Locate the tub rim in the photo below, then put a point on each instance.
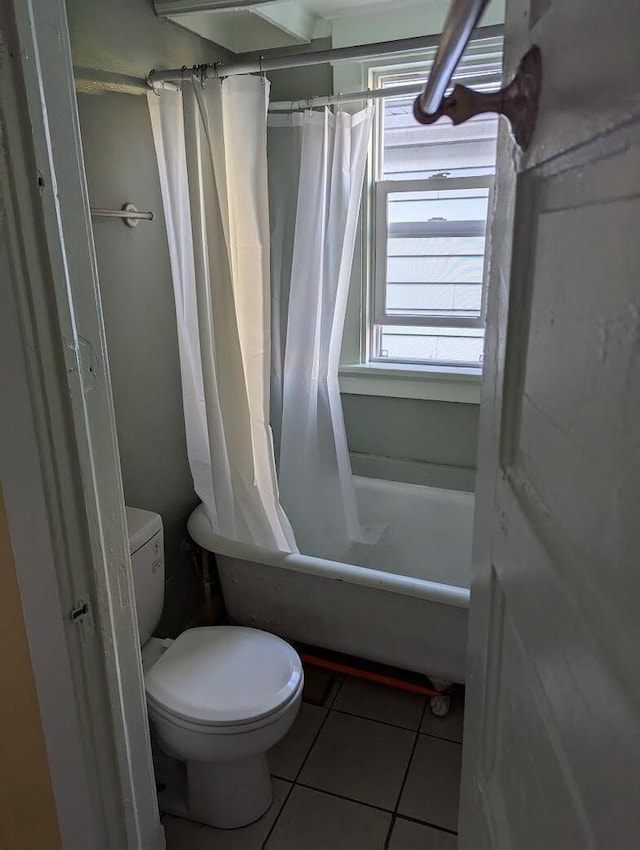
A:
(201, 532)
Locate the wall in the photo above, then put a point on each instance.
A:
(406, 439)
(124, 37)
(400, 439)
(302, 82)
(27, 807)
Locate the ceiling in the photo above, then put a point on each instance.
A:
(331, 9)
(284, 23)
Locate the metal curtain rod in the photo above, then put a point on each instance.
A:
(301, 60)
(369, 94)
(461, 21)
(517, 101)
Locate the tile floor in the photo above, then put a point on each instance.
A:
(371, 769)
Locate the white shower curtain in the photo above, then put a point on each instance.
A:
(211, 149)
(316, 171)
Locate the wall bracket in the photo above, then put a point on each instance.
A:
(517, 101)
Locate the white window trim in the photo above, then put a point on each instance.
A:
(382, 189)
(359, 375)
(405, 380)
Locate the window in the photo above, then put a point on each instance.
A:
(430, 191)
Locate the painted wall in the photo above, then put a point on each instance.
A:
(124, 37)
(400, 439)
(28, 816)
(412, 440)
(302, 82)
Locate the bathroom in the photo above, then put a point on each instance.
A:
(325, 705)
(395, 437)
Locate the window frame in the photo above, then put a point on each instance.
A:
(359, 372)
(378, 282)
(376, 207)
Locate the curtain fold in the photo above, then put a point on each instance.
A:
(211, 149)
(316, 170)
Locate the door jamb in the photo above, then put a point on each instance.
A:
(57, 299)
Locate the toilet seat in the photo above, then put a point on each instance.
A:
(224, 679)
(157, 712)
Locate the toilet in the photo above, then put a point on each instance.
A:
(219, 697)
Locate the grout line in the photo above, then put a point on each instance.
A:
(277, 817)
(441, 738)
(387, 840)
(408, 768)
(293, 783)
(375, 720)
(312, 745)
(427, 823)
(342, 797)
(329, 706)
(394, 815)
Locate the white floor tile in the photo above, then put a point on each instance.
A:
(360, 759)
(187, 835)
(431, 792)
(287, 757)
(379, 702)
(407, 835)
(311, 820)
(449, 727)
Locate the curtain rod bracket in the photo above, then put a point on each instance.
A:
(518, 101)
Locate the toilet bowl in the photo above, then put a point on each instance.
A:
(218, 697)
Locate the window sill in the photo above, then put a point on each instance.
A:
(432, 383)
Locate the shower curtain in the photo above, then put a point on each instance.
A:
(316, 171)
(211, 149)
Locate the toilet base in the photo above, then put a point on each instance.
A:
(228, 794)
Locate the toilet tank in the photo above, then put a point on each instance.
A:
(147, 561)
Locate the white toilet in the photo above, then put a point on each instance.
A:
(218, 697)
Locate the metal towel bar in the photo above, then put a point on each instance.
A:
(129, 214)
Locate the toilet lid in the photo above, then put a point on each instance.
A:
(224, 675)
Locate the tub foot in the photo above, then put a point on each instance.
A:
(441, 704)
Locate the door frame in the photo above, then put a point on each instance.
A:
(61, 469)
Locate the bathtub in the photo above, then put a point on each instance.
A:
(402, 601)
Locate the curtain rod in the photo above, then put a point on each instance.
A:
(462, 19)
(370, 94)
(316, 57)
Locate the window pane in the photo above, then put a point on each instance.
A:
(421, 281)
(434, 299)
(461, 205)
(434, 247)
(459, 160)
(432, 269)
(454, 346)
(412, 151)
